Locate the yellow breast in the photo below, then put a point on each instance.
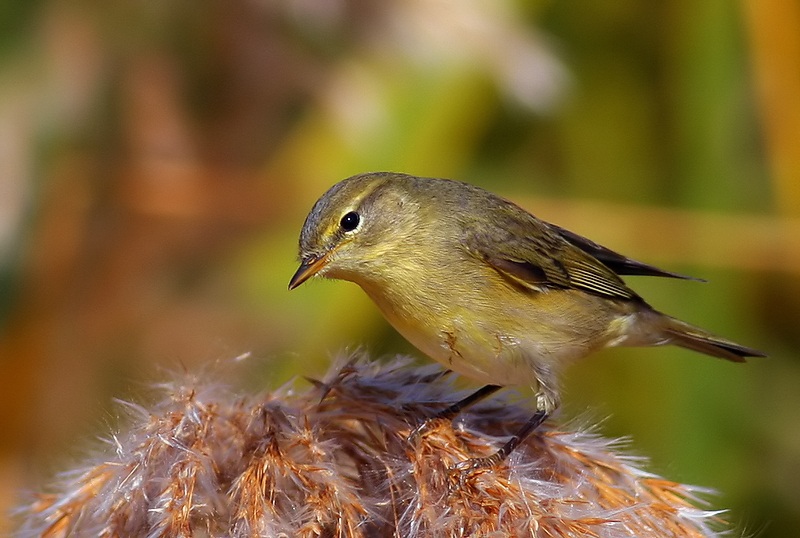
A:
(490, 336)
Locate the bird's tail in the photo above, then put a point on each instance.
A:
(688, 336)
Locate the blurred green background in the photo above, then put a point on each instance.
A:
(158, 160)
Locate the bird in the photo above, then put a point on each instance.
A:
(484, 287)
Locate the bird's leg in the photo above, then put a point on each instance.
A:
(475, 397)
(450, 412)
(506, 450)
(546, 403)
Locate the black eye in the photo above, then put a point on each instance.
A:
(350, 221)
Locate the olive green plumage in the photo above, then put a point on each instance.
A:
(481, 285)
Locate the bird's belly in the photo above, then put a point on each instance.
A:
(487, 353)
(471, 355)
(520, 344)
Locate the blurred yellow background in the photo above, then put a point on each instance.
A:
(158, 160)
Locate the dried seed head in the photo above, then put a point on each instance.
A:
(335, 461)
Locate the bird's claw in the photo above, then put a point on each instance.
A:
(463, 471)
(420, 430)
(476, 464)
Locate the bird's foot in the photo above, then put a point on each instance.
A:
(466, 467)
(476, 464)
(464, 472)
(426, 425)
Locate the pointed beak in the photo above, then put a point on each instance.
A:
(309, 267)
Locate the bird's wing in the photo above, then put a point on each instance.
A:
(532, 254)
(622, 265)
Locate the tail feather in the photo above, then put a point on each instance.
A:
(690, 337)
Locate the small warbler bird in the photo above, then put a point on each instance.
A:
(484, 287)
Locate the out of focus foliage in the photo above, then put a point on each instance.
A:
(158, 159)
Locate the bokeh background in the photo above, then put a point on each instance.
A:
(157, 160)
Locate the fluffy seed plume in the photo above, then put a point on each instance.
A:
(335, 461)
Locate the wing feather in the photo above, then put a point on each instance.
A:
(622, 265)
(539, 258)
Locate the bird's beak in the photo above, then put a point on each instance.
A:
(310, 267)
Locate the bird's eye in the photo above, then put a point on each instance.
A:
(350, 221)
